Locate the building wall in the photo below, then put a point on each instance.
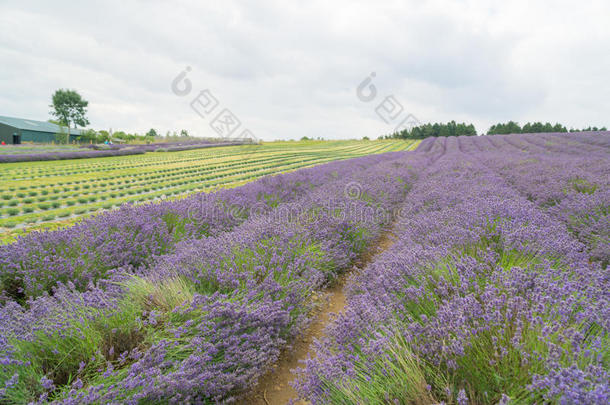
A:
(37, 136)
(6, 133)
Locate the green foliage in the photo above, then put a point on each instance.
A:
(102, 136)
(69, 108)
(589, 129)
(89, 135)
(512, 127)
(398, 376)
(437, 129)
(62, 137)
(85, 345)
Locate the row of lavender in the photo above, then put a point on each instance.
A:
(150, 146)
(194, 299)
(35, 157)
(122, 150)
(168, 146)
(496, 290)
(574, 188)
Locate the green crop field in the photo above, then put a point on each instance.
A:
(46, 195)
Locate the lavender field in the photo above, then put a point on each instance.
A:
(495, 289)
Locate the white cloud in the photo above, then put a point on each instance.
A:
(290, 69)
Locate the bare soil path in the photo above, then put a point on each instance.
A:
(274, 387)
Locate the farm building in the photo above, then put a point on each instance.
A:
(18, 130)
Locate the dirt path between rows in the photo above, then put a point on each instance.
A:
(274, 387)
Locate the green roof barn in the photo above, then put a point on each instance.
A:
(18, 130)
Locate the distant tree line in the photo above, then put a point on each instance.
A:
(101, 136)
(437, 129)
(512, 127)
(453, 128)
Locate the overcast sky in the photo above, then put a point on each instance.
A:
(289, 69)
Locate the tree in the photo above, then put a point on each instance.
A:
(63, 136)
(152, 133)
(443, 131)
(437, 129)
(89, 135)
(103, 136)
(559, 128)
(120, 135)
(184, 133)
(69, 108)
(511, 127)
